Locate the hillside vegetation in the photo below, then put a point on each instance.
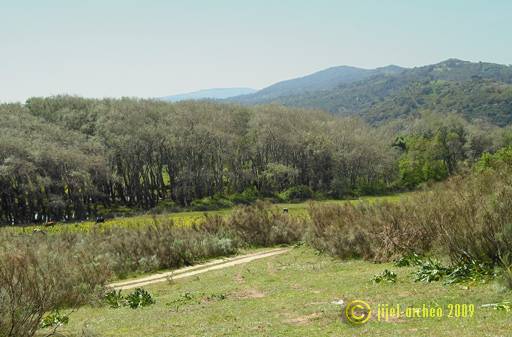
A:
(475, 90)
(327, 79)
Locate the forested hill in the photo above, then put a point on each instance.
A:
(475, 90)
(327, 79)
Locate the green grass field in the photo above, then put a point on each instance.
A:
(183, 218)
(291, 295)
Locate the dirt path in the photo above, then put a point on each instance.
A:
(195, 270)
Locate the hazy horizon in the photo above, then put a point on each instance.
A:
(156, 48)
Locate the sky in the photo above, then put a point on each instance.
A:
(156, 48)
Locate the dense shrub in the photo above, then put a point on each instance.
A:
(139, 298)
(496, 160)
(41, 273)
(38, 277)
(469, 218)
(371, 231)
(259, 224)
(155, 247)
(248, 196)
(297, 193)
(335, 229)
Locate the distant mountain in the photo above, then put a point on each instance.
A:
(218, 93)
(322, 80)
(476, 90)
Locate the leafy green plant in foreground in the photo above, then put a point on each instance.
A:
(54, 320)
(385, 276)
(412, 259)
(114, 299)
(137, 299)
(430, 270)
(470, 271)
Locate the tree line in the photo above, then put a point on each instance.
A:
(65, 158)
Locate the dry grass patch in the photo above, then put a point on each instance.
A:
(304, 319)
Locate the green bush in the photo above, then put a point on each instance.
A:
(297, 193)
(54, 320)
(165, 206)
(430, 270)
(502, 157)
(386, 276)
(407, 260)
(41, 275)
(248, 196)
(470, 271)
(114, 299)
(139, 298)
(374, 188)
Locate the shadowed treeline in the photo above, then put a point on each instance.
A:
(71, 158)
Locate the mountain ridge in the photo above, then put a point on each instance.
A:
(321, 80)
(213, 93)
(479, 90)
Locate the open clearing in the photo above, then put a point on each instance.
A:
(290, 295)
(188, 217)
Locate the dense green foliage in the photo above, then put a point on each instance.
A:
(488, 161)
(68, 157)
(65, 158)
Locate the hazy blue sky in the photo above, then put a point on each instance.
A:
(155, 48)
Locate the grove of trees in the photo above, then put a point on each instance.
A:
(68, 157)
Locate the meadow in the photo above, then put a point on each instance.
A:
(292, 295)
(184, 218)
(448, 245)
